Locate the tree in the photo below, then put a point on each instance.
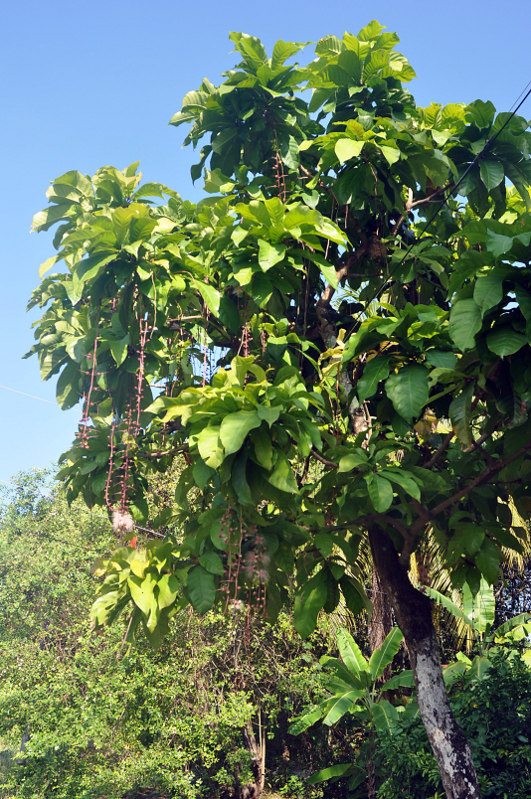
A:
(338, 338)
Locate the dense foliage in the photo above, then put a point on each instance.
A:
(308, 195)
(111, 721)
(336, 341)
(494, 712)
(105, 718)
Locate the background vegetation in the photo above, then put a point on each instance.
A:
(108, 721)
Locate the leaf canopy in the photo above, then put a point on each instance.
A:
(313, 347)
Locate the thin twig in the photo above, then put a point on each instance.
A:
(433, 460)
(330, 464)
(477, 481)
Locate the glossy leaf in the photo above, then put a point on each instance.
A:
(492, 172)
(383, 656)
(212, 563)
(347, 149)
(488, 291)
(402, 479)
(505, 341)
(200, 585)
(479, 607)
(386, 717)
(380, 492)
(309, 600)
(351, 653)
(341, 705)
(282, 476)
(465, 322)
(142, 592)
(168, 586)
(408, 391)
(235, 427)
(376, 369)
(328, 773)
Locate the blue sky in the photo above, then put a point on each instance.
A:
(88, 84)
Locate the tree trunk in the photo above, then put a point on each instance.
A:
(257, 752)
(381, 622)
(413, 613)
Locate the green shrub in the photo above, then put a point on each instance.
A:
(107, 720)
(495, 715)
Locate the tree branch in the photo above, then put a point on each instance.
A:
(318, 457)
(154, 455)
(435, 457)
(477, 481)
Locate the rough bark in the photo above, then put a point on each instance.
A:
(413, 613)
(257, 752)
(381, 617)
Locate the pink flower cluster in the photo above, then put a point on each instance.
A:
(122, 522)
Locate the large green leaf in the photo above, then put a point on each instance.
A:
(307, 720)
(355, 595)
(391, 154)
(488, 561)
(492, 172)
(269, 414)
(168, 586)
(386, 717)
(212, 563)
(210, 295)
(284, 50)
(235, 428)
(453, 672)
(408, 390)
(446, 602)
(328, 773)
(403, 479)
(461, 414)
(376, 369)
(142, 592)
(119, 349)
(404, 679)
(309, 600)
(326, 268)
(347, 149)
(270, 254)
(488, 290)
(341, 705)
(498, 244)
(239, 481)
(505, 341)
(66, 390)
(380, 492)
(383, 656)
(480, 666)
(282, 476)
(465, 322)
(507, 627)
(263, 448)
(200, 585)
(352, 460)
(479, 607)
(350, 653)
(209, 446)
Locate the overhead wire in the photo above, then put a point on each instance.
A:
(25, 394)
